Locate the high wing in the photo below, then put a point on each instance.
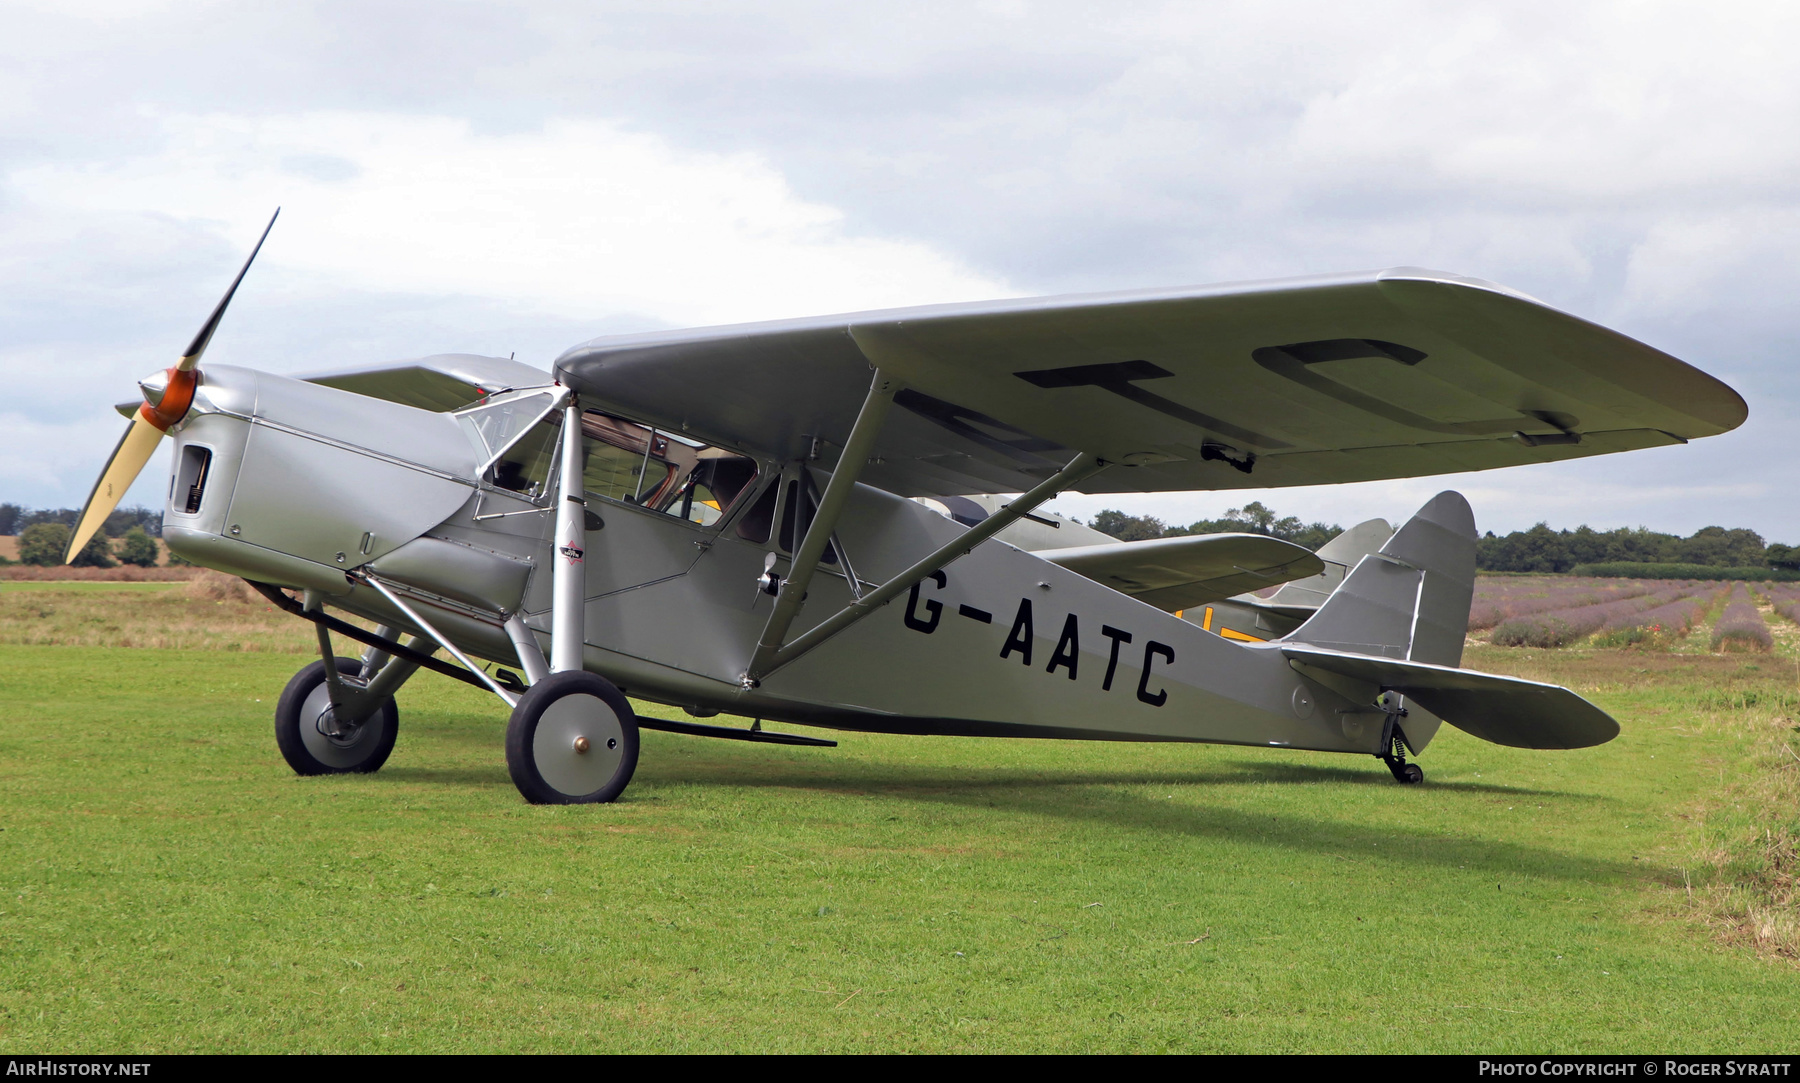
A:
(1178, 573)
(1356, 377)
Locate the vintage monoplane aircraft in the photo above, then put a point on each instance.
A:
(659, 516)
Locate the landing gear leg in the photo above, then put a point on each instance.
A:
(1393, 743)
(1404, 773)
(572, 738)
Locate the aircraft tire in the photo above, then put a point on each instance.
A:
(572, 740)
(1411, 775)
(311, 752)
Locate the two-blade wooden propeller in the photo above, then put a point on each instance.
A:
(167, 397)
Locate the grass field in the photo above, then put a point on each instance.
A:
(166, 884)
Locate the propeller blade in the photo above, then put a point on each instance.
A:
(191, 357)
(134, 450)
(165, 404)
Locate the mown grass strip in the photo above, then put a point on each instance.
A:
(166, 884)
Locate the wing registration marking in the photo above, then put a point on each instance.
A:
(1121, 378)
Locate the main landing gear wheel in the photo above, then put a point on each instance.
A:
(313, 744)
(572, 740)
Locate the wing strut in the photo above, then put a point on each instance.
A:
(824, 524)
(770, 654)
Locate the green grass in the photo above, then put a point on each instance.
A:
(166, 884)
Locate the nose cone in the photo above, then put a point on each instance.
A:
(154, 387)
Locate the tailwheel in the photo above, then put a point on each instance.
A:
(1406, 773)
(572, 740)
(317, 739)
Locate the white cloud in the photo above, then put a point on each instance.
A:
(1629, 160)
(574, 225)
(580, 219)
(55, 465)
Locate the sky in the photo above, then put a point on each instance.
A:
(517, 178)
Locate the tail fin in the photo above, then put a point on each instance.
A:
(1409, 600)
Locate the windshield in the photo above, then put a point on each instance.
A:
(514, 439)
(498, 421)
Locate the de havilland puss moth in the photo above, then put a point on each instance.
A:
(790, 521)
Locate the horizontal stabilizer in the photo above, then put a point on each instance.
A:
(1180, 573)
(1299, 613)
(1504, 710)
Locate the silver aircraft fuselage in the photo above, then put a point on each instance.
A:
(295, 484)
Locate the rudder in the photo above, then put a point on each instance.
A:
(1409, 600)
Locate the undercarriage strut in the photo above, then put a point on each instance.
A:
(1393, 742)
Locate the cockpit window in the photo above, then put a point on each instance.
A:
(758, 523)
(639, 465)
(516, 436)
(717, 481)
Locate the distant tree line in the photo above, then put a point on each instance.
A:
(1541, 549)
(1252, 518)
(14, 518)
(127, 537)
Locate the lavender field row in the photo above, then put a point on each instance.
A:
(1785, 597)
(1556, 611)
(1498, 600)
(1741, 626)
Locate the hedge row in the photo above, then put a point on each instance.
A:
(1627, 570)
